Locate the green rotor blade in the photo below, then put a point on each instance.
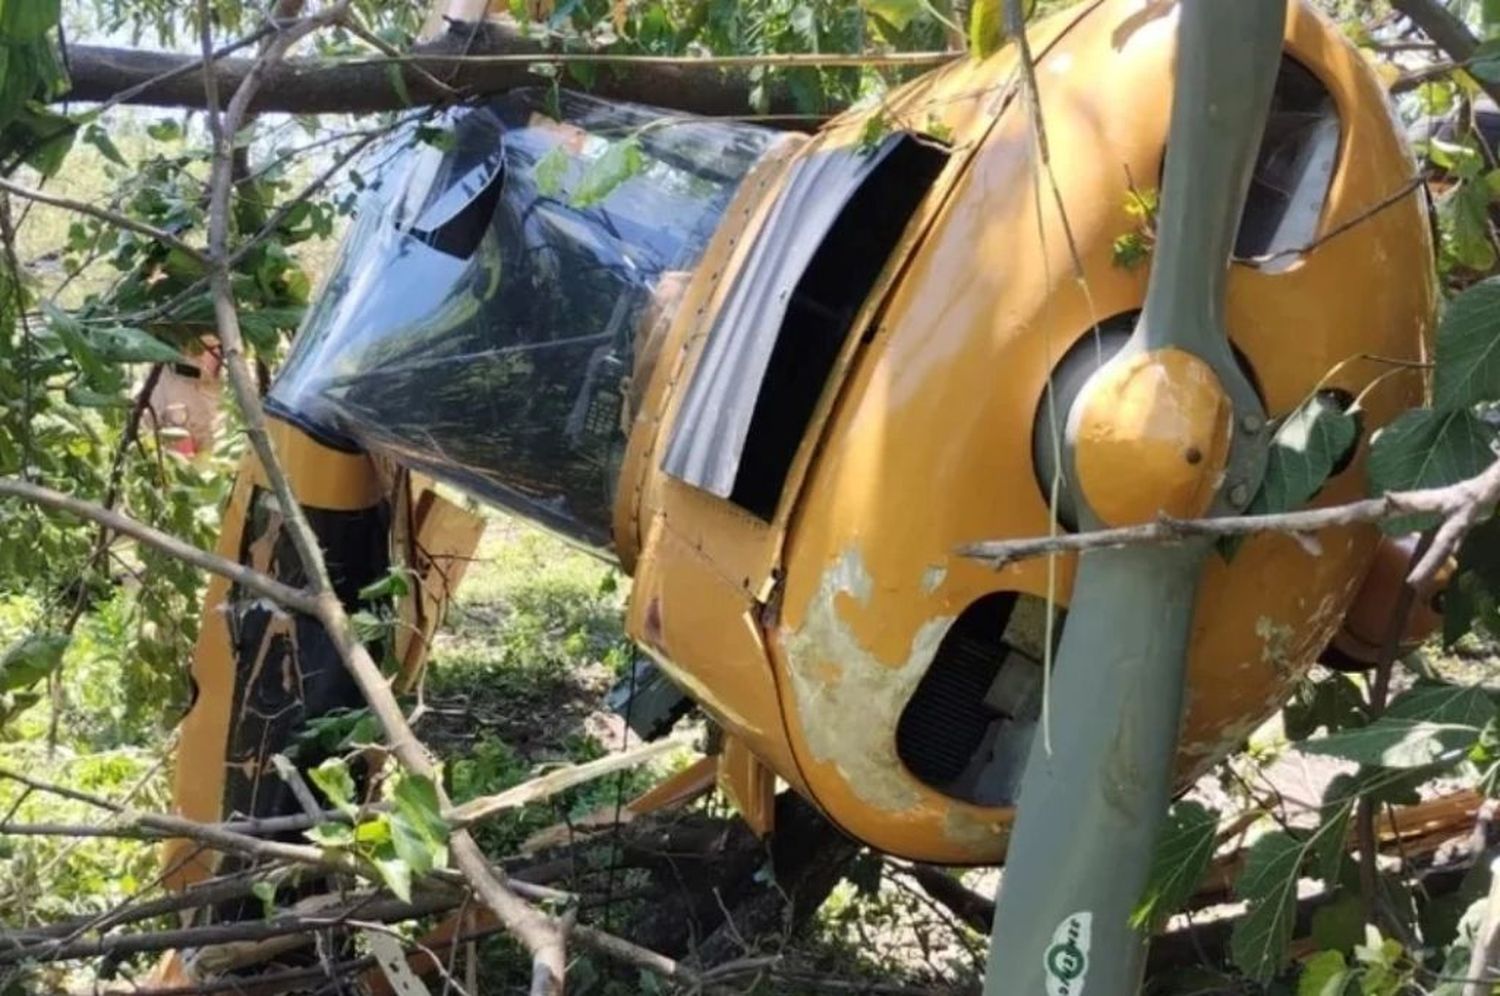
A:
(1227, 58)
(1090, 809)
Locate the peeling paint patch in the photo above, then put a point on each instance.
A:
(849, 700)
(933, 578)
(1276, 644)
(968, 829)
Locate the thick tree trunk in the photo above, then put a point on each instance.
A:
(324, 86)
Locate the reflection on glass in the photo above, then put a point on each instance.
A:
(507, 370)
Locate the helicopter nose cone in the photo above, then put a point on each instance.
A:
(1152, 437)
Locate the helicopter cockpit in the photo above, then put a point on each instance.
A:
(481, 321)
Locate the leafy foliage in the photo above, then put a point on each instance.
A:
(1269, 884)
(1308, 445)
(1182, 856)
(1453, 439)
(1421, 728)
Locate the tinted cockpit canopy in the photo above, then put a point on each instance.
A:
(481, 320)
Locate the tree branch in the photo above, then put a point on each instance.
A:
(533, 929)
(1461, 507)
(500, 58)
(108, 217)
(123, 525)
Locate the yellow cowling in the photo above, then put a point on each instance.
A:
(806, 633)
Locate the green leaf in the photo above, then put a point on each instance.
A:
(99, 139)
(369, 627)
(897, 13)
(986, 27)
(551, 171)
(1468, 349)
(1327, 842)
(31, 659)
(1380, 961)
(1473, 593)
(1333, 702)
(41, 136)
(374, 833)
(987, 32)
(75, 339)
(266, 893)
(1467, 704)
(876, 129)
(1268, 883)
(331, 835)
(394, 73)
(1420, 728)
(83, 397)
(262, 325)
(333, 777)
(1428, 449)
(1182, 854)
(1324, 974)
(1485, 62)
(619, 162)
(1339, 925)
(165, 130)
(396, 876)
(395, 584)
(1466, 219)
(28, 20)
(418, 831)
(1309, 443)
(123, 344)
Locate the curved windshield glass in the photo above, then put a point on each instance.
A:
(453, 161)
(504, 363)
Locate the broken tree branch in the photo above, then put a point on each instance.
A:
(366, 907)
(1460, 506)
(475, 811)
(698, 85)
(560, 780)
(533, 929)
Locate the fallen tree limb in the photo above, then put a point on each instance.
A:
(536, 931)
(475, 811)
(365, 907)
(498, 58)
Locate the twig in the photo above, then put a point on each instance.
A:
(1380, 688)
(557, 781)
(368, 908)
(389, 51)
(245, 577)
(975, 911)
(1408, 188)
(103, 214)
(149, 826)
(289, 774)
(1462, 506)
